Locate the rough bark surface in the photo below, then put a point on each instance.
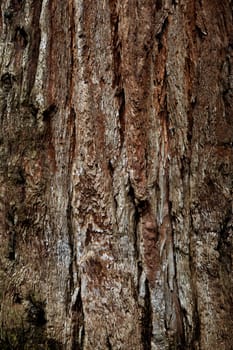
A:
(116, 146)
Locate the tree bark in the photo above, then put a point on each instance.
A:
(116, 174)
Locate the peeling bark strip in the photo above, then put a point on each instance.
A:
(116, 166)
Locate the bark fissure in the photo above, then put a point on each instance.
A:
(147, 319)
(159, 36)
(78, 334)
(116, 174)
(116, 43)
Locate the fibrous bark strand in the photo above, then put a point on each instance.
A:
(116, 174)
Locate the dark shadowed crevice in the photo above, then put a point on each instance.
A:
(49, 113)
(71, 129)
(36, 311)
(78, 330)
(158, 5)
(75, 306)
(200, 32)
(136, 220)
(48, 117)
(196, 323)
(111, 174)
(8, 15)
(7, 81)
(197, 329)
(175, 3)
(11, 246)
(20, 38)
(141, 207)
(121, 97)
(147, 319)
(159, 36)
(189, 69)
(72, 132)
(109, 345)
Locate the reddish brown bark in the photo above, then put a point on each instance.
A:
(116, 174)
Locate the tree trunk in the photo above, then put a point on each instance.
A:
(116, 174)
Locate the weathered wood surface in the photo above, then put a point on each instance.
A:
(116, 165)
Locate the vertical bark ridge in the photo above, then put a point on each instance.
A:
(116, 174)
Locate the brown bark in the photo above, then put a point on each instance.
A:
(116, 174)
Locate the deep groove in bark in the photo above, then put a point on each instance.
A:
(159, 36)
(147, 319)
(197, 329)
(109, 345)
(136, 220)
(121, 98)
(72, 131)
(115, 167)
(116, 46)
(78, 331)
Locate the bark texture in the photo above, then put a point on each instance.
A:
(116, 146)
